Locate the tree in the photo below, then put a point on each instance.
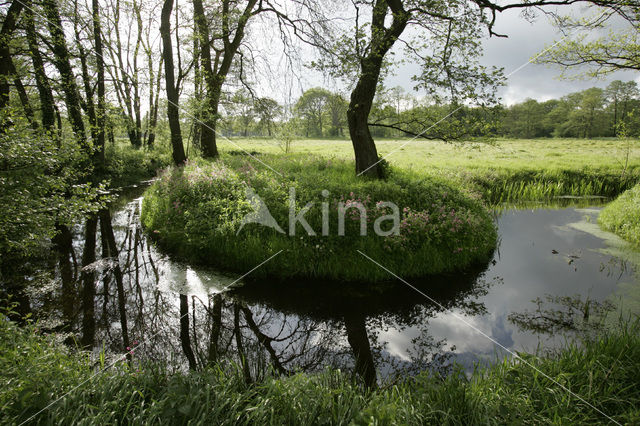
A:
(619, 95)
(586, 118)
(101, 107)
(241, 106)
(312, 107)
(525, 120)
(617, 50)
(173, 113)
(337, 109)
(447, 47)
(267, 110)
(62, 62)
(47, 103)
(6, 69)
(125, 71)
(230, 26)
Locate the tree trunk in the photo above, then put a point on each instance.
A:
(62, 63)
(179, 156)
(42, 82)
(8, 26)
(185, 341)
(358, 119)
(101, 109)
(153, 115)
(88, 283)
(22, 94)
(382, 39)
(208, 125)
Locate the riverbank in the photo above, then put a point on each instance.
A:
(44, 379)
(622, 216)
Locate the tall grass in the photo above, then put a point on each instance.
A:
(622, 216)
(602, 375)
(498, 186)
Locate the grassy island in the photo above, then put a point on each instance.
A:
(414, 225)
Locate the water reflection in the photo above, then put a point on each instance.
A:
(114, 291)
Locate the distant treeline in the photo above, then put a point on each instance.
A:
(319, 113)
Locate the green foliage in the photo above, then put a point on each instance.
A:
(35, 371)
(39, 187)
(591, 113)
(48, 181)
(622, 216)
(312, 108)
(196, 212)
(598, 57)
(125, 165)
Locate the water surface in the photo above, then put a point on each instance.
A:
(184, 315)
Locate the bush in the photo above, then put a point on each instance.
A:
(622, 216)
(197, 213)
(126, 165)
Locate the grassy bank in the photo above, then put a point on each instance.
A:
(196, 212)
(35, 371)
(622, 216)
(506, 170)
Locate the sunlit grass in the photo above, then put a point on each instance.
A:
(506, 170)
(566, 154)
(622, 216)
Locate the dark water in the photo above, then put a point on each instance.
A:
(183, 315)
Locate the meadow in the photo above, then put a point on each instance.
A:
(601, 372)
(500, 170)
(512, 154)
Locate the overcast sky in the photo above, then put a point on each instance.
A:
(525, 41)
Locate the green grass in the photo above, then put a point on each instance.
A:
(506, 170)
(126, 165)
(196, 212)
(35, 371)
(622, 216)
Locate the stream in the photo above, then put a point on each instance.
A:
(184, 315)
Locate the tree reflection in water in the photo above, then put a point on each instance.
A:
(263, 326)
